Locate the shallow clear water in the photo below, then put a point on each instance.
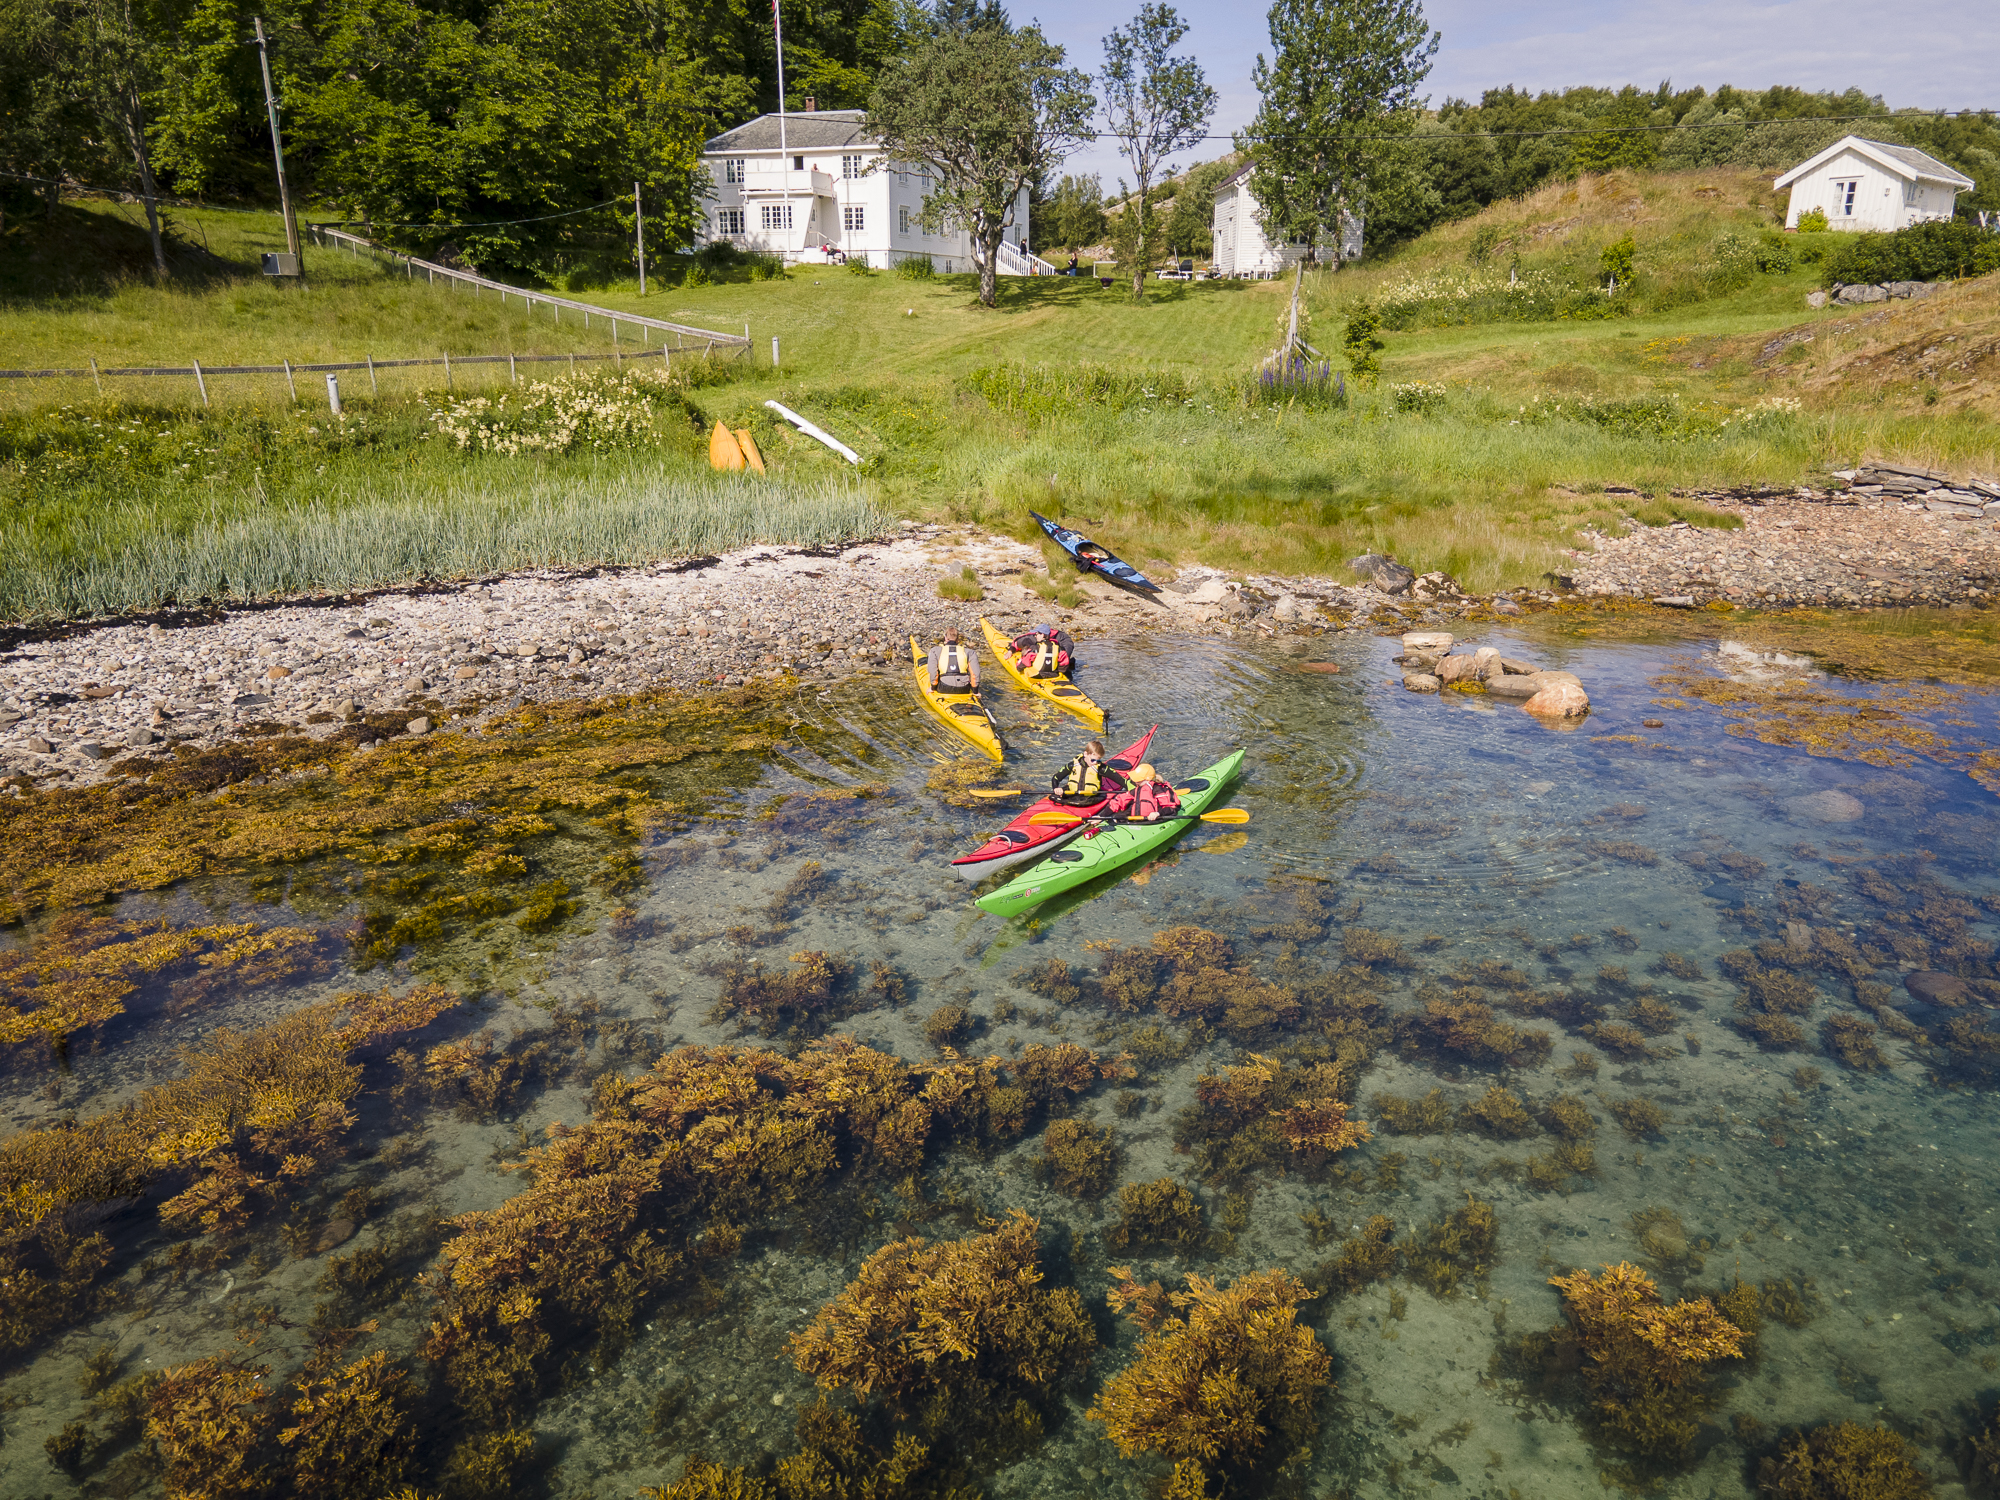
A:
(1457, 825)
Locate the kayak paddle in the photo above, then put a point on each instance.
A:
(1220, 815)
(996, 791)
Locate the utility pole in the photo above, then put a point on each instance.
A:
(278, 153)
(639, 223)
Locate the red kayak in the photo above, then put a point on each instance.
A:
(1020, 841)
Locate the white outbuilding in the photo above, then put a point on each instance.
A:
(817, 187)
(1241, 247)
(1861, 184)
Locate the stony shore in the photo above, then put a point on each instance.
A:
(1860, 546)
(89, 700)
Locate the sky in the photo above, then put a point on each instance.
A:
(1950, 59)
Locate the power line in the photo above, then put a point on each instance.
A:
(1926, 114)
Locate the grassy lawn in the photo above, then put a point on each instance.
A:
(1159, 450)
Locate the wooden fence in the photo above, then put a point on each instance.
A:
(329, 237)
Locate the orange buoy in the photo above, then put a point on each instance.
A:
(751, 454)
(723, 451)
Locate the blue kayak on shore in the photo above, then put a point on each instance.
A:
(1092, 558)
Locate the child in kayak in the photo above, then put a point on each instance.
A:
(954, 667)
(1145, 799)
(1045, 652)
(1087, 780)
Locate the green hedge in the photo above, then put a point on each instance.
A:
(1923, 252)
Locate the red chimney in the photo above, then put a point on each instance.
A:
(811, 104)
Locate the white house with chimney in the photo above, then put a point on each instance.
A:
(815, 187)
(1241, 247)
(1862, 184)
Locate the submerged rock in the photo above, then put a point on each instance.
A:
(1937, 988)
(337, 1232)
(1829, 806)
(1557, 700)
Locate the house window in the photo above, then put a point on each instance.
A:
(777, 215)
(850, 167)
(853, 216)
(732, 169)
(729, 221)
(1910, 191)
(798, 164)
(1843, 196)
(903, 220)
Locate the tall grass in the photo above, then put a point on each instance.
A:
(469, 525)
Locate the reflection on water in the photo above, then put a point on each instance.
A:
(1643, 991)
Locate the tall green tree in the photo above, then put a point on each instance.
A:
(1157, 104)
(1191, 225)
(1344, 74)
(1074, 214)
(988, 112)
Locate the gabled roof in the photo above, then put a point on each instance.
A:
(814, 130)
(1235, 179)
(1901, 161)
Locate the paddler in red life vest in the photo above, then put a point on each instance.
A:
(1146, 798)
(1045, 652)
(1087, 780)
(954, 667)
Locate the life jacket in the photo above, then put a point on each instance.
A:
(1153, 800)
(1083, 781)
(1118, 804)
(1047, 660)
(953, 662)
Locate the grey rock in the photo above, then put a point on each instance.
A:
(1507, 607)
(1815, 299)
(1421, 682)
(1937, 988)
(1388, 575)
(139, 739)
(1510, 685)
(251, 700)
(1964, 508)
(1675, 601)
(1515, 668)
(418, 726)
(91, 750)
(1427, 642)
(36, 745)
(1856, 294)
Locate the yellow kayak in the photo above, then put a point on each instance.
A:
(962, 711)
(1059, 690)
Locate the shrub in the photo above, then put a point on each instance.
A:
(1363, 342)
(1774, 253)
(695, 276)
(1922, 252)
(767, 268)
(1616, 262)
(1296, 382)
(718, 255)
(917, 268)
(1813, 221)
(857, 265)
(1213, 1380)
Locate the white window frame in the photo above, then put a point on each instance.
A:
(903, 220)
(853, 218)
(1912, 190)
(1845, 191)
(851, 167)
(729, 221)
(733, 169)
(776, 216)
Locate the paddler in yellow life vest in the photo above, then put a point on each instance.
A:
(1086, 780)
(1043, 652)
(954, 667)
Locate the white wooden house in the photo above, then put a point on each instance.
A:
(815, 187)
(1872, 185)
(1243, 249)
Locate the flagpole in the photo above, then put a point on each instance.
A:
(778, 31)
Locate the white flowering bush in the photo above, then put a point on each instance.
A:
(1452, 296)
(563, 416)
(1418, 397)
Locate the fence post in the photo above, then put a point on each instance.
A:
(447, 369)
(290, 383)
(572, 367)
(95, 379)
(512, 378)
(333, 393)
(200, 384)
(371, 376)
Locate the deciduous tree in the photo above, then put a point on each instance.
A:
(988, 111)
(1342, 79)
(1157, 104)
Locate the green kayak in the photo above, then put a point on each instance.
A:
(1109, 847)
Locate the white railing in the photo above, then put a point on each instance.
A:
(327, 235)
(1013, 261)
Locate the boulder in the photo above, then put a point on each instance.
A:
(1938, 988)
(140, 738)
(1214, 591)
(1455, 669)
(1288, 609)
(1815, 299)
(1508, 685)
(1385, 573)
(337, 1232)
(1675, 601)
(1421, 682)
(1515, 668)
(1428, 642)
(419, 726)
(1828, 806)
(1329, 668)
(465, 674)
(1558, 700)
(91, 750)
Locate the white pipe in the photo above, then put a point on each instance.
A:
(813, 432)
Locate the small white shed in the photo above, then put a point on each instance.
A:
(1872, 185)
(1241, 246)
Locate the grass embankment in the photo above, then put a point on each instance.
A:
(1487, 445)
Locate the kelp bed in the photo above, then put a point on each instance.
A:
(617, 1100)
